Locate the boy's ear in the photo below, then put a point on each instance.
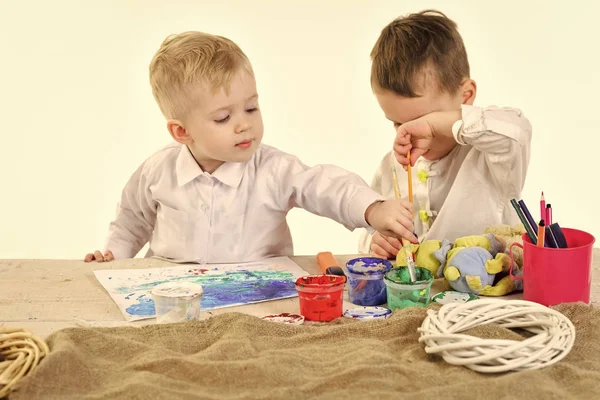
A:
(178, 132)
(469, 90)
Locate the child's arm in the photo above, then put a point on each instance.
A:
(335, 193)
(502, 135)
(134, 223)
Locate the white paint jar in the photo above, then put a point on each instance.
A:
(177, 301)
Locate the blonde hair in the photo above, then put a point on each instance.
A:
(409, 45)
(187, 59)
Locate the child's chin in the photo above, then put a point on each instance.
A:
(242, 157)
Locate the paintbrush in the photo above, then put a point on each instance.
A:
(410, 262)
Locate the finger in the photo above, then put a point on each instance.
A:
(407, 207)
(377, 251)
(395, 243)
(386, 246)
(415, 154)
(404, 208)
(89, 257)
(403, 229)
(98, 256)
(401, 158)
(402, 138)
(108, 256)
(402, 148)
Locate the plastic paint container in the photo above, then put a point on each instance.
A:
(365, 280)
(321, 296)
(368, 313)
(177, 301)
(402, 293)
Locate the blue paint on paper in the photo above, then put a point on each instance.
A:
(221, 290)
(144, 307)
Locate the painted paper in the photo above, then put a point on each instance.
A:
(224, 285)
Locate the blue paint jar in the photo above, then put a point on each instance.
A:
(365, 280)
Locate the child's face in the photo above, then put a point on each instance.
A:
(225, 127)
(399, 109)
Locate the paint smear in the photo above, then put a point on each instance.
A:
(224, 285)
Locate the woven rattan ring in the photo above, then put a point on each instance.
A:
(549, 335)
(20, 353)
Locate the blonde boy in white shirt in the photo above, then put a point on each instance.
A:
(468, 162)
(217, 194)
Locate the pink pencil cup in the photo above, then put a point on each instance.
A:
(553, 276)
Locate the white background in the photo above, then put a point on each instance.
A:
(78, 115)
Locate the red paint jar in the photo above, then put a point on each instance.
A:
(321, 296)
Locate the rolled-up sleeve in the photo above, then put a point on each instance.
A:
(503, 138)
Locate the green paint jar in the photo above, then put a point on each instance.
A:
(402, 293)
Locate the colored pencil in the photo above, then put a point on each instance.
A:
(548, 214)
(542, 206)
(528, 215)
(528, 228)
(541, 234)
(409, 172)
(410, 262)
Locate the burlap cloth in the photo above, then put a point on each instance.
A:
(236, 356)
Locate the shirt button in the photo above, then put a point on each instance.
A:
(424, 215)
(423, 175)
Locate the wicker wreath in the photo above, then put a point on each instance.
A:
(20, 352)
(551, 335)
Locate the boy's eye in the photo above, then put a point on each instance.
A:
(251, 110)
(223, 120)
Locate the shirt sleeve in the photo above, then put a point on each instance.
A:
(503, 138)
(135, 219)
(324, 190)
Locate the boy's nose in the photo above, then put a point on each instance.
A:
(242, 127)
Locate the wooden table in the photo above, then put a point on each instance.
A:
(47, 295)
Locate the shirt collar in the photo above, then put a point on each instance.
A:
(187, 169)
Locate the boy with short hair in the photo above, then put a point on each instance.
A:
(217, 195)
(468, 161)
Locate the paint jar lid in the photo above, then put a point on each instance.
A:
(368, 266)
(453, 297)
(178, 289)
(368, 313)
(285, 318)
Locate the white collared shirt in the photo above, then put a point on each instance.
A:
(236, 214)
(469, 189)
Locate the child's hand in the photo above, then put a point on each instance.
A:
(429, 136)
(97, 256)
(392, 218)
(384, 247)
